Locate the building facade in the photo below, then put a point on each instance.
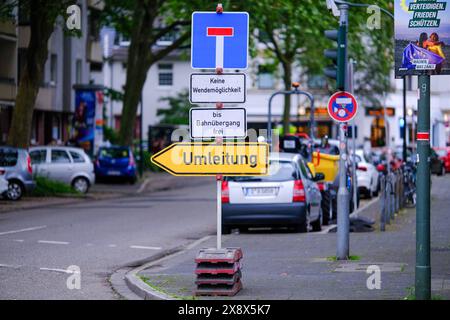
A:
(71, 60)
(171, 75)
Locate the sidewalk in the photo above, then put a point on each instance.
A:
(297, 266)
(150, 182)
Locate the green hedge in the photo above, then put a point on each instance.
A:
(50, 188)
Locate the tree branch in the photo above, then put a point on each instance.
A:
(162, 53)
(162, 32)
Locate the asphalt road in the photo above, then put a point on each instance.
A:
(38, 246)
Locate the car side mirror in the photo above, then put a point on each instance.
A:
(319, 176)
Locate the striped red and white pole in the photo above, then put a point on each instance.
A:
(423, 136)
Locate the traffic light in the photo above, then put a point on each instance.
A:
(338, 56)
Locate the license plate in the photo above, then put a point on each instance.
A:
(114, 173)
(251, 192)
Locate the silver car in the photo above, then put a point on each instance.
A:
(68, 165)
(15, 167)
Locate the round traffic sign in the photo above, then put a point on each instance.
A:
(342, 106)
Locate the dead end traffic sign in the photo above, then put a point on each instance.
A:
(342, 106)
(208, 123)
(212, 88)
(211, 159)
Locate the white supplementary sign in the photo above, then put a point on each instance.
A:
(212, 122)
(211, 88)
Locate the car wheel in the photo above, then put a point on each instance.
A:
(15, 190)
(317, 225)
(80, 185)
(442, 173)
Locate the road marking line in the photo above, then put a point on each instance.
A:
(9, 266)
(52, 242)
(112, 245)
(143, 185)
(18, 240)
(22, 230)
(58, 270)
(147, 248)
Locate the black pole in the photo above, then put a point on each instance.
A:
(141, 151)
(423, 263)
(404, 119)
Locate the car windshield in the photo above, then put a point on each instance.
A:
(8, 157)
(278, 171)
(114, 153)
(441, 152)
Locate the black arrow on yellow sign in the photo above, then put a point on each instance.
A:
(210, 159)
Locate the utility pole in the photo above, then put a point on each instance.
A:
(404, 119)
(423, 268)
(343, 197)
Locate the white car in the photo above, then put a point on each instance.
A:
(3, 185)
(287, 197)
(68, 165)
(367, 175)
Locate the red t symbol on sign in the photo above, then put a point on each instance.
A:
(219, 33)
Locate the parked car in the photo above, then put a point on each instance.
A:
(64, 164)
(444, 154)
(3, 186)
(116, 162)
(367, 175)
(15, 167)
(287, 197)
(437, 165)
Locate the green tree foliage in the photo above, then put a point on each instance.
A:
(178, 111)
(292, 30)
(145, 22)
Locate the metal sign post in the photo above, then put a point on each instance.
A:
(423, 267)
(342, 107)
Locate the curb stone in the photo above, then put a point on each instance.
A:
(139, 287)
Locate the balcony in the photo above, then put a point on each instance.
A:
(46, 99)
(94, 52)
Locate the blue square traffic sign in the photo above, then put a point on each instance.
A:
(219, 40)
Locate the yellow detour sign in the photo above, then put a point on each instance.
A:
(209, 159)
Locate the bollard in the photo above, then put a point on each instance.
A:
(388, 200)
(396, 193)
(392, 196)
(383, 203)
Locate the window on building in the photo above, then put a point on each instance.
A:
(53, 68)
(266, 79)
(79, 71)
(165, 74)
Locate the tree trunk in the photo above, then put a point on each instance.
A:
(140, 59)
(136, 76)
(41, 28)
(287, 79)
